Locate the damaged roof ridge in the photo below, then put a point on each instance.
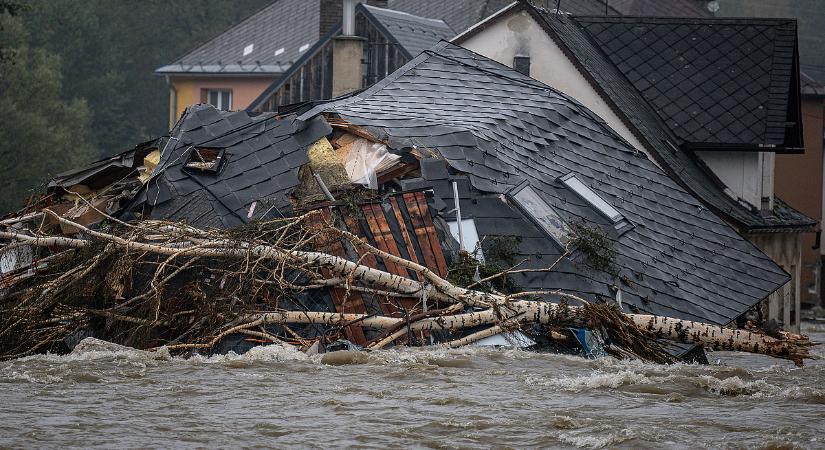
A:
(434, 51)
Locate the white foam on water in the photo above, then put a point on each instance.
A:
(732, 386)
(594, 380)
(593, 439)
(264, 353)
(94, 359)
(437, 355)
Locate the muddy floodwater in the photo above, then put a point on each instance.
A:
(466, 398)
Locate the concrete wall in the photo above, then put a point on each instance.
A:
(799, 183)
(187, 91)
(784, 304)
(347, 69)
(520, 35)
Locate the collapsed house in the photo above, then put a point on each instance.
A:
(454, 172)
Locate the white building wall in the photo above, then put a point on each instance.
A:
(748, 175)
(520, 35)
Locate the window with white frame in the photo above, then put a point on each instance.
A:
(219, 98)
(588, 195)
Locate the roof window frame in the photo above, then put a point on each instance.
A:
(574, 184)
(196, 158)
(560, 234)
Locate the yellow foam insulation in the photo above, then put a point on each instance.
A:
(150, 161)
(324, 161)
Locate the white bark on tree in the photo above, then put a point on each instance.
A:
(498, 309)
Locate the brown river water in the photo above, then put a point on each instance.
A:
(104, 396)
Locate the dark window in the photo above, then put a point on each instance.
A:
(522, 64)
(205, 159)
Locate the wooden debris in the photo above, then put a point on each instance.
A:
(145, 280)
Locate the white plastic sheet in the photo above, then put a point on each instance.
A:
(365, 160)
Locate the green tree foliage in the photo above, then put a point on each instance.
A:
(40, 133)
(76, 78)
(110, 49)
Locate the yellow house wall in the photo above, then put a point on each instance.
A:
(186, 91)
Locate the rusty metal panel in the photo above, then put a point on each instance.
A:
(401, 226)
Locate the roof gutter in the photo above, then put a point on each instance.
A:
(216, 74)
(773, 148)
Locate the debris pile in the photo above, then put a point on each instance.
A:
(148, 249)
(161, 283)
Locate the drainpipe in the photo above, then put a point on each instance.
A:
(458, 217)
(173, 98)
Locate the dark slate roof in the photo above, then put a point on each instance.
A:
(458, 14)
(412, 33)
(501, 128)
(717, 81)
(293, 24)
(263, 155)
(285, 24)
(668, 8)
(687, 169)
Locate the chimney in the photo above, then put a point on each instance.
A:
(331, 11)
(347, 54)
(329, 15)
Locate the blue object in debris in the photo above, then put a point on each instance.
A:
(591, 342)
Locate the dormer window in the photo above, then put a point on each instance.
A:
(205, 159)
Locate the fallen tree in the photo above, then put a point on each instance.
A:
(156, 283)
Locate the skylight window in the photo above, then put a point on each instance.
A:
(541, 212)
(587, 194)
(303, 48)
(280, 51)
(248, 49)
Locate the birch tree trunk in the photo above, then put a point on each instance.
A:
(498, 310)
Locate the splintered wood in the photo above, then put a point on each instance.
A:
(156, 283)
